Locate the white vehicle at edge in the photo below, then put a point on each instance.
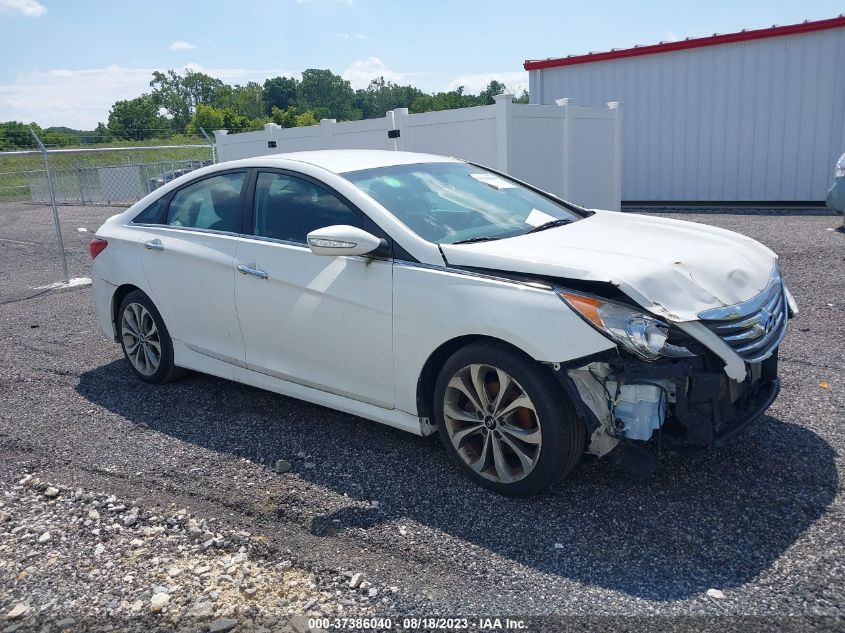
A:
(431, 294)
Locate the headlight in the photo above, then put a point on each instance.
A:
(839, 172)
(637, 332)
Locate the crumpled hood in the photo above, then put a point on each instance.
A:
(672, 268)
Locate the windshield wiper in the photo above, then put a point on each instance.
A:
(473, 240)
(550, 225)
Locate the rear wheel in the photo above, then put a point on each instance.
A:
(505, 420)
(145, 340)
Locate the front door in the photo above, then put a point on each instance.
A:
(320, 321)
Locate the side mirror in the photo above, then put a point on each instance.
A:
(342, 240)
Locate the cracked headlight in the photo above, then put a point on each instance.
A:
(639, 333)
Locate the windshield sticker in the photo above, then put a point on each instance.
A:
(494, 181)
(537, 217)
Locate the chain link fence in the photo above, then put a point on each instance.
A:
(53, 200)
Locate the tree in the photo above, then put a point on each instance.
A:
(246, 100)
(323, 89)
(280, 92)
(235, 122)
(208, 118)
(306, 118)
(179, 94)
(14, 135)
(137, 119)
(423, 103)
(60, 137)
(493, 88)
(258, 123)
(286, 117)
(445, 101)
(194, 100)
(101, 134)
(381, 96)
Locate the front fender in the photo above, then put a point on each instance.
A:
(433, 305)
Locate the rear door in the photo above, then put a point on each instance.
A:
(188, 258)
(320, 321)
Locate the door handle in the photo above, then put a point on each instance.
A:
(255, 272)
(154, 245)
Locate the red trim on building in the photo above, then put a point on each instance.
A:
(699, 42)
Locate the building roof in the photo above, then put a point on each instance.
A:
(698, 42)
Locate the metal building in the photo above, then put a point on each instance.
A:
(750, 116)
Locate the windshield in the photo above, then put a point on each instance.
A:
(447, 203)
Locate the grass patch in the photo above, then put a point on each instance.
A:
(20, 173)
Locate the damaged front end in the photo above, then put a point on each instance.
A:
(664, 383)
(688, 403)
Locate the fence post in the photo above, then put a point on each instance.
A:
(390, 124)
(327, 127)
(62, 255)
(79, 182)
(567, 145)
(400, 118)
(617, 153)
(503, 138)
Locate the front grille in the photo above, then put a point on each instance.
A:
(755, 328)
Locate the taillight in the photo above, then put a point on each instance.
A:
(96, 247)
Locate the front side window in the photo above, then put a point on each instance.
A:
(288, 208)
(450, 202)
(212, 203)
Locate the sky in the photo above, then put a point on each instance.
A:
(65, 62)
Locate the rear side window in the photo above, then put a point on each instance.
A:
(152, 214)
(288, 208)
(212, 203)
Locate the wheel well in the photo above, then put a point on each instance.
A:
(117, 298)
(428, 375)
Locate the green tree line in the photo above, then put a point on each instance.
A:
(184, 103)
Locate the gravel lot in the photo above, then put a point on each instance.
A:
(761, 521)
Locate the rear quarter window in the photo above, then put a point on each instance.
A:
(152, 214)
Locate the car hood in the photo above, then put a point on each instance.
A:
(673, 269)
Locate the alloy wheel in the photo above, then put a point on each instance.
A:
(140, 339)
(492, 423)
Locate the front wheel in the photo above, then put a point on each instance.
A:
(505, 420)
(145, 340)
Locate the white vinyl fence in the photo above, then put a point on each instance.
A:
(568, 150)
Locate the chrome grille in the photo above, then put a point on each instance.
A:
(754, 328)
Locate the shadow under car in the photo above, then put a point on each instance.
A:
(713, 519)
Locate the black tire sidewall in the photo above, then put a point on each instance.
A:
(166, 367)
(562, 431)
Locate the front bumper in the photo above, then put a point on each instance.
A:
(699, 405)
(710, 409)
(755, 408)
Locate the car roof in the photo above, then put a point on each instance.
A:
(344, 160)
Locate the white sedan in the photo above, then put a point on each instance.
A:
(435, 295)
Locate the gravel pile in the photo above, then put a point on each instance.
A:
(82, 560)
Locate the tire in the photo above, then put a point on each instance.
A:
(150, 355)
(514, 450)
